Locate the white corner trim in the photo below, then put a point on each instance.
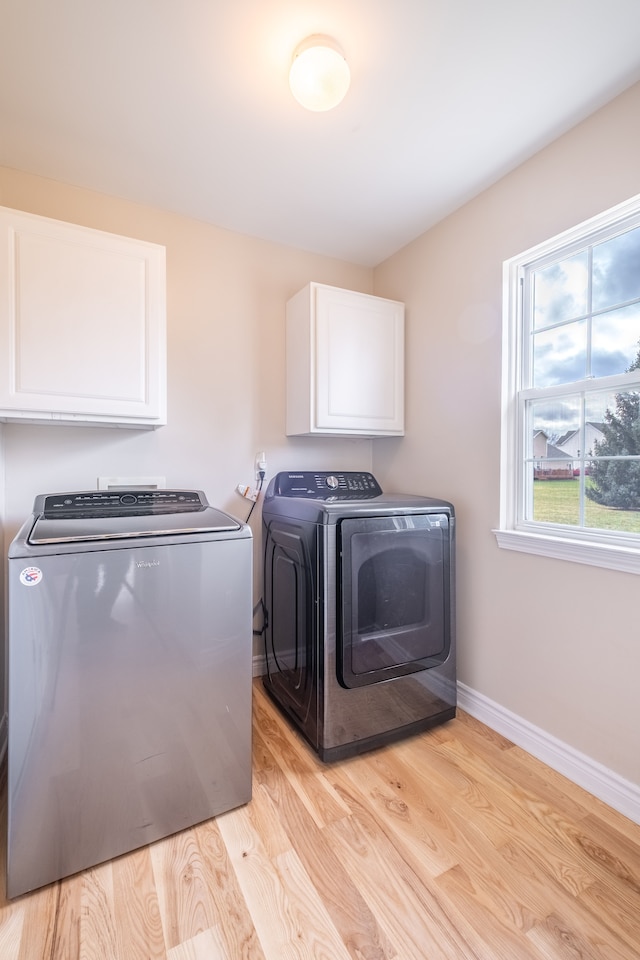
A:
(603, 783)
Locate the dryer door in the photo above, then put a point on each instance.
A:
(394, 600)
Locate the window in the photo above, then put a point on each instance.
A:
(570, 472)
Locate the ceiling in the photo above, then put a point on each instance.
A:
(184, 105)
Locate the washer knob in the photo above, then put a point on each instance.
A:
(332, 483)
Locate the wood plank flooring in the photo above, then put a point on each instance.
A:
(453, 845)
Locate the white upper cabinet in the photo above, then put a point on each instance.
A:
(82, 324)
(345, 364)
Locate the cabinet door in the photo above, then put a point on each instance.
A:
(82, 324)
(359, 342)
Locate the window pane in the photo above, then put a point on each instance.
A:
(618, 417)
(616, 270)
(614, 341)
(560, 291)
(612, 499)
(557, 499)
(554, 437)
(553, 422)
(560, 355)
(596, 406)
(613, 487)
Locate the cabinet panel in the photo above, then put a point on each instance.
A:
(359, 341)
(345, 363)
(82, 324)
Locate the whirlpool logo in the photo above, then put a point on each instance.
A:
(147, 563)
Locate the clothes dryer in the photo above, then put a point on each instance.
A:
(359, 592)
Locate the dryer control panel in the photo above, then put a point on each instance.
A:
(325, 485)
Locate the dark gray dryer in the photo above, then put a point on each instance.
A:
(359, 595)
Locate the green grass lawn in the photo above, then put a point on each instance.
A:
(558, 501)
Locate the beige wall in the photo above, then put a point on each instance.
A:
(556, 643)
(226, 308)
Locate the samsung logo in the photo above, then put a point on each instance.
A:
(147, 563)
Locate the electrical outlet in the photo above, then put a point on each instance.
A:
(261, 465)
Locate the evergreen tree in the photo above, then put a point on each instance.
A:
(616, 483)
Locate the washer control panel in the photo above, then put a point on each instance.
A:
(325, 485)
(119, 503)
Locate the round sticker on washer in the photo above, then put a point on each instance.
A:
(30, 576)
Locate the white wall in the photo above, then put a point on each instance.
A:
(555, 643)
(226, 313)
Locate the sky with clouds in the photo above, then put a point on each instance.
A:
(573, 339)
(563, 321)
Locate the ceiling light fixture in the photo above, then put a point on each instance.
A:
(319, 76)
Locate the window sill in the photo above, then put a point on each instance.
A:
(612, 557)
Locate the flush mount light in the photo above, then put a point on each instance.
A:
(319, 75)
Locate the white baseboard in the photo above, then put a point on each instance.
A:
(603, 783)
(259, 665)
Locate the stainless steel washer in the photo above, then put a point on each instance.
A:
(129, 676)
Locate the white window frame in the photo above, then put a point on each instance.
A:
(594, 547)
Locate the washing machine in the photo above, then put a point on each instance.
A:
(359, 594)
(129, 676)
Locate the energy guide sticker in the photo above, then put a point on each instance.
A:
(30, 576)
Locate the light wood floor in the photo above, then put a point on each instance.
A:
(454, 845)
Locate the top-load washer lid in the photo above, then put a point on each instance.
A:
(113, 514)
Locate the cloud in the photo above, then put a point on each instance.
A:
(616, 270)
(560, 355)
(560, 291)
(556, 417)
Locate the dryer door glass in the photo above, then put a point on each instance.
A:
(394, 596)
